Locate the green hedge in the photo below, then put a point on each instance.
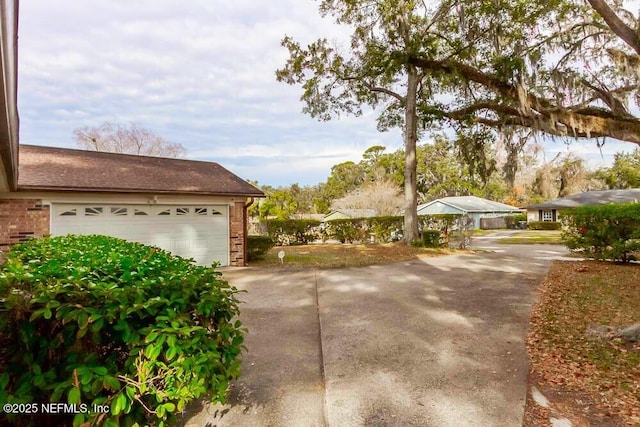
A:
(431, 238)
(292, 231)
(604, 232)
(100, 321)
(258, 246)
(544, 225)
(349, 230)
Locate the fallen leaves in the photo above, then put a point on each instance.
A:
(573, 298)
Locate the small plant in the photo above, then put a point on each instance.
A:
(258, 246)
(100, 321)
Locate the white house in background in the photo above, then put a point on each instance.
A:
(475, 207)
(349, 213)
(548, 211)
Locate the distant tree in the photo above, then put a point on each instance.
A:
(624, 173)
(383, 196)
(345, 177)
(131, 138)
(562, 176)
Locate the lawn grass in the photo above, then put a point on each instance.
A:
(527, 237)
(344, 255)
(574, 297)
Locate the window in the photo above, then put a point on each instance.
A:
(165, 212)
(119, 211)
(200, 211)
(138, 212)
(70, 212)
(547, 216)
(94, 211)
(215, 212)
(182, 211)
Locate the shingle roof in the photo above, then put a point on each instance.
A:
(590, 198)
(49, 168)
(474, 204)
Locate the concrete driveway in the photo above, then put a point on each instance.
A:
(428, 342)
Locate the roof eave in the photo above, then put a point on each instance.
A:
(24, 188)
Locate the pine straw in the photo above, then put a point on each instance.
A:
(573, 297)
(345, 255)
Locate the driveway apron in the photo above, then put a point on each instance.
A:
(428, 342)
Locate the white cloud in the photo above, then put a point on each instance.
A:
(201, 73)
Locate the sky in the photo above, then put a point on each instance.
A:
(200, 73)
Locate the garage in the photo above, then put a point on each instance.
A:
(200, 232)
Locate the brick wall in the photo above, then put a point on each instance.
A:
(21, 220)
(237, 235)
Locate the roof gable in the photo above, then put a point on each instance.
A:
(49, 168)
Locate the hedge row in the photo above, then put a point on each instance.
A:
(604, 232)
(544, 225)
(382, 228)
(100, 321)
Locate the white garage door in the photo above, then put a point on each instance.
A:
(199, 232)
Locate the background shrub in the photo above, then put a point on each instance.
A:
(293, 231)
(604, 232)
(258, 246)
(544, 225)
(98, 320)
(431, 238)
(348, 230)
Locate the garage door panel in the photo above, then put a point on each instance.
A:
(199, 232)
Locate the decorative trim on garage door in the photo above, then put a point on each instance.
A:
(195, 231)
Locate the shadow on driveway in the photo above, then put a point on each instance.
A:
(428, 342)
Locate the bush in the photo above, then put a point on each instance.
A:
(385, 227)
(604, 232)
(292, 231)
(544, 225)
(258, 246)
(513, 221)
(431, 238)
(348, 230)
(101, 321)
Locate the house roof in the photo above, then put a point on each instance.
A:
(472, 204)
(590, 198)
(353, 213)
(49, 168)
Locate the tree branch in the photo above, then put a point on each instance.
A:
(617, 25)
(386, 91)
(541, 113)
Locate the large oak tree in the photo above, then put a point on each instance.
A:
(561, 67)
(368, 73)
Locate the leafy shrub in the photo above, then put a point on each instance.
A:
(348, 230)
(604, 232)
(544, 225)
(258, 246)
(431, 238)
(101, 321)
(292, 231)
(384, 227)
(513, 221)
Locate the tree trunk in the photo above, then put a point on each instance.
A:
(410, 139)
